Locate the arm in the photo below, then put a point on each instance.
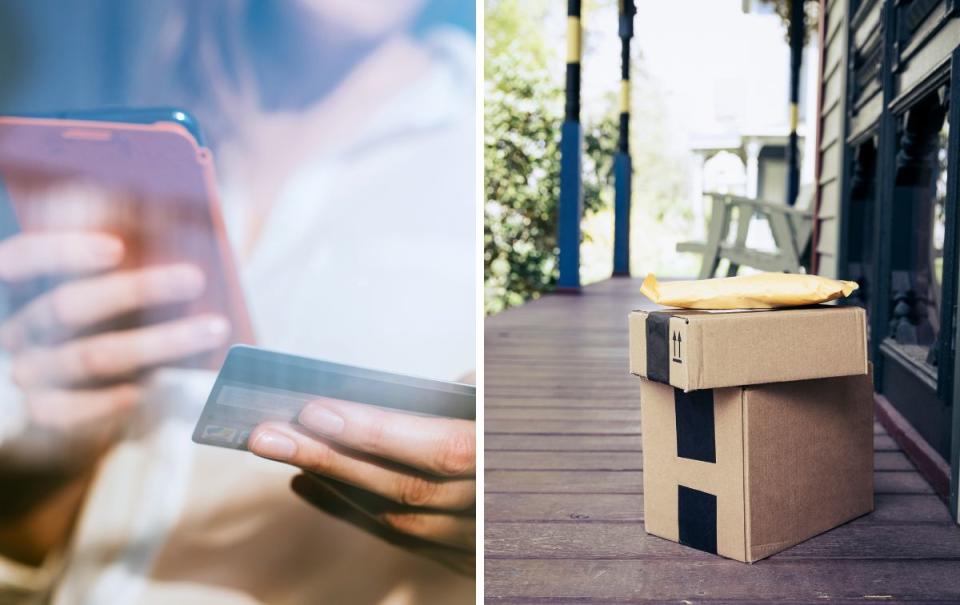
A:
(77, 389)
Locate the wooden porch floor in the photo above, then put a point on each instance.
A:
(564, 489)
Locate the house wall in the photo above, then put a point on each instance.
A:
(832, 124)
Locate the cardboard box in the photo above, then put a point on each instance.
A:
(695, 350)
(745, 472)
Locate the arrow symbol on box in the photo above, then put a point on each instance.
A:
(677, 347)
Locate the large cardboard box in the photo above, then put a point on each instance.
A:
(745, 472)
(708, 349)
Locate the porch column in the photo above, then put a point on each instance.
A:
(797, 34)
(753, 168)
(696, 194)
(622, 164)
(571, 147)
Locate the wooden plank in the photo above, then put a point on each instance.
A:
(627, 415)
(562, 427)
(562, 391)
(566, 482)
(558, 443)
(884, 442)
(694, 579)
(834, 53)
(622, 461)
(896, 482)
(588, 508)
(836, 15)
(594, 461)
(598, 443)
(563, 507)
(505, 363)
(866, 118)
(830, 122)
(930, 56)
(891, 461)
(515, 389)
(604, 540)
(831, 155)
(829, 200)
(631, 482)
(828, 236)
(589, 385)
(866, 26)
(759, 601)
(909, 508)
(533, 401)
(832, 94)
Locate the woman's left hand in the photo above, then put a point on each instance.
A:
(418, 472)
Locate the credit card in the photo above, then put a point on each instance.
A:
(256, 385)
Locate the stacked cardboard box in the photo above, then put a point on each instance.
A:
(757, 425)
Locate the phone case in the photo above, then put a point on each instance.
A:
(152, 185)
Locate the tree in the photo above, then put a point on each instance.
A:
(523, 112)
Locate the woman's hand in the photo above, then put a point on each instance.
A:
(416, 474)
(83, 385)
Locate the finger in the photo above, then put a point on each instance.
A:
(66, 409)
(457, 531)
(444, 528)
(442, 446)
(82, 303)
(328, 495)
(30, 255)
(286, 443)
(118, 354)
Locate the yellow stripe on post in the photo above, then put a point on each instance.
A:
(794, 117)
(624, 96)
(573, 39)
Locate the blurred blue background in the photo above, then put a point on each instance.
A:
(79, 54)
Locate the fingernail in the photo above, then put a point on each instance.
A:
(185, 282)
(212, 331)
(321, 420)
(274, 445)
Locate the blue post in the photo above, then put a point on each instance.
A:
(571, 205)
(623, 173)
(622, 165)
(571, 148)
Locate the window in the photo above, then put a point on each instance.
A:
(918, 231)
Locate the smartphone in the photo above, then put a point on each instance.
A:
(130, 115)
(142, 175)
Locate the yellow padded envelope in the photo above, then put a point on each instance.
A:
(760, 291)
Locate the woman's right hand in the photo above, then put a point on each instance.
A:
(82, 386)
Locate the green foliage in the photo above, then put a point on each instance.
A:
(523, 112)
(521, 186)
(811, 9)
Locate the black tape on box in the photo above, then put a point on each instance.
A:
(658, 347)
(697, 516)
(696, 432)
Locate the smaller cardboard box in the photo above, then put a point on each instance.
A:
(695, 350)
(745, 472)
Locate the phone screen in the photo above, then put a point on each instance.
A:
(150, 185)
